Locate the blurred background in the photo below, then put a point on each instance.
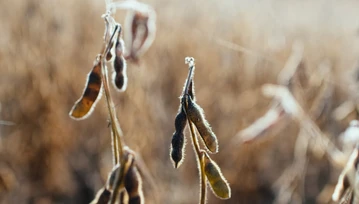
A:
(48, 47)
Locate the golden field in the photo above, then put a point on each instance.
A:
(48, 47)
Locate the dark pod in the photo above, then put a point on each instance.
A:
(178, 139)
(133, 185)
(102, 197)
(191, 92)
(111, 43)
(112, 176)
(119, 77)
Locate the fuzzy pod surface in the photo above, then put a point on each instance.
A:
(133, 185)
(196, 115)
(178, 138)
(103, 197)
(84, 106)
(218, 183)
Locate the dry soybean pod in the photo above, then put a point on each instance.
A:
(119, 77)
(178, 139)
(102, 196)
(111, 182)
(218, 183)
(196, 115)
(140, 32)
(108, 32)
(85, 105)
(133, 185)
(112, 176)
(191, 92)
(137, 32)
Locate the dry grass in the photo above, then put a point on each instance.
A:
(47, 49)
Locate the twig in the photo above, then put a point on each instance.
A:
(200, 163)
(118, 144)
(191, 66)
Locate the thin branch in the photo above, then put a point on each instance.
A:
(200, 163)
(118, 144)
(191, 66)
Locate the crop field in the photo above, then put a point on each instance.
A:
(277, 80)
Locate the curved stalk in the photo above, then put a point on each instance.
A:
(117, 143)
(200, 163)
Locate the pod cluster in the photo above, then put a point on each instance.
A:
(191, 114)
(124, 183)
(140, 29)
(132, 182)
(112, 52)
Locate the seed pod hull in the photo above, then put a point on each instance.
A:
(191, 92)
(112, 176)
(102, 197)
(218, 183)
(110, 29)
(135, 200)
(178, 139)
(133, 185)
(141, 30)
(196, 115)
(109, 56)
(84, 106)
(177, 149)
(180, 120)
(119, 76)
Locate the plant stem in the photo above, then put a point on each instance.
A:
(117, 132)
(191, 66)
(200, 163)
(116, 136)
(117, 143)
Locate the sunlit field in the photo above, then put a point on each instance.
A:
(309, 48)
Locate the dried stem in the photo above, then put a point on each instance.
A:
(200, 163)
(203, 180)
(191, 66)
(117, 143)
